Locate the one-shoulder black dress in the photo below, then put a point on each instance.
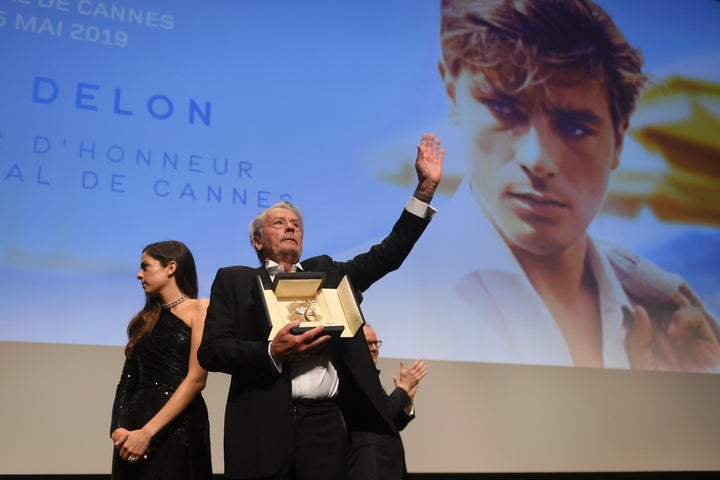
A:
(159, 364)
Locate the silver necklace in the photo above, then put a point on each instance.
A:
(174, 302)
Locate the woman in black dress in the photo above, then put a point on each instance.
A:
(160, 424)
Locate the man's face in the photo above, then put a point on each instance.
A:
(538, 162)
(372, 342)
(281, 236)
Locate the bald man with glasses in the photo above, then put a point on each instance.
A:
(372, 456)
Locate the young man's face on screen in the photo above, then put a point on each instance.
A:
(538, 161)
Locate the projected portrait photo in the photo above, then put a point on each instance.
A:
(565, 295)
(542, 94)
(578, 211)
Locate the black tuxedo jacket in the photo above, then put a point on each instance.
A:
(259, 404)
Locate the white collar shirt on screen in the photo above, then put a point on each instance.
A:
(481, 307)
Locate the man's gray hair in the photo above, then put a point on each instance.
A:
(257, 223)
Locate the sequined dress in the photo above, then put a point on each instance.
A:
(181, 450)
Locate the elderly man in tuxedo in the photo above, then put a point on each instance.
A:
(293, 401)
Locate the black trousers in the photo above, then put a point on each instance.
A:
(319, 443)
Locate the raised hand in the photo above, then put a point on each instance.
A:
(428, 166)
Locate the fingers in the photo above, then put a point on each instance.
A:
(288, 346)
(638, 342)
(430, 145)
(419, 364)
(301, 338)
(129, 456)
(132, 458)
(692, 340)
(120, 443)
(311, 335)
(429, 141)
(419, 367)
(640, 333)
(415, 372)
(647, 346)
(285, 336)
(691, 298)
(687, 343)
(689, 321)
(422, 369)
(285, 330)
(680, 300)
(428, 166)
(132, 446)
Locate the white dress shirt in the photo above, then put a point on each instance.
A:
(462, 295)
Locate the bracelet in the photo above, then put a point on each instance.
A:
(422, 197)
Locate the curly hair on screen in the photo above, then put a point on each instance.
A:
(514, 44)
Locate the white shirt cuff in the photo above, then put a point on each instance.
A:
(278, 367)
(420, 209)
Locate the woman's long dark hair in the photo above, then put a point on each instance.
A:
(185, 277)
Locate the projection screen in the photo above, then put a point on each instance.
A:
(125, 123)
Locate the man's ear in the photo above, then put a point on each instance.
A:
(256, 243)
(449, 84)
(619, 139)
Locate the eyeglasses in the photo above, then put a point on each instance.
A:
(377, 343)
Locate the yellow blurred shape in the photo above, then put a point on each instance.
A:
(678, 120)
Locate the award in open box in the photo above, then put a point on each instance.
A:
(301, 296)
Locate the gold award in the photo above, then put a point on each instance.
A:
(304, 310)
